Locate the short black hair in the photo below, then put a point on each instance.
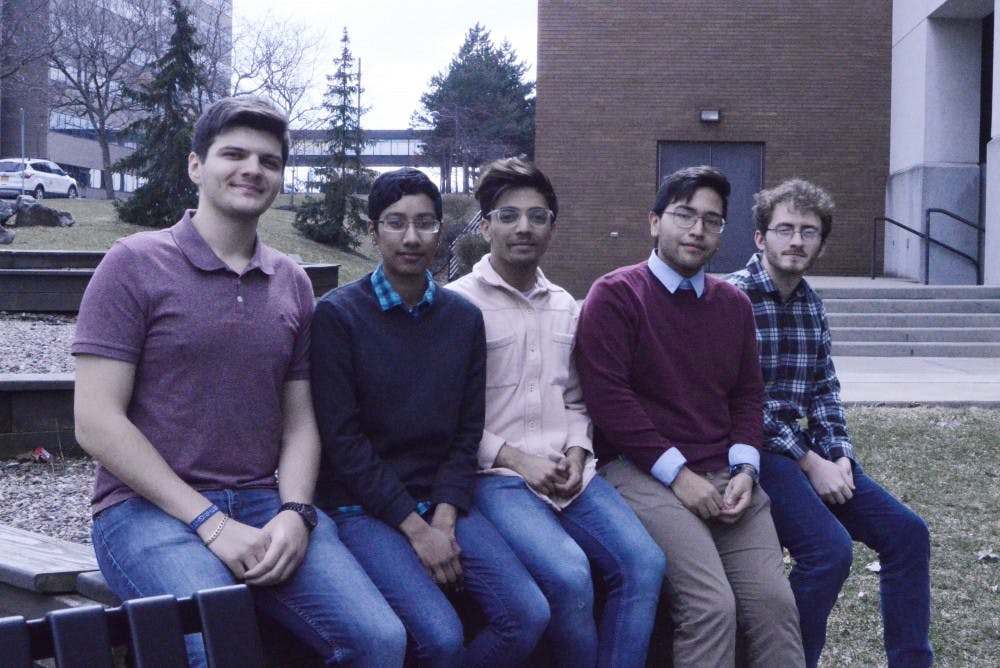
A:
(502, 176)
(391, 187)
(682, 185)
(799, 195)
(242, 111)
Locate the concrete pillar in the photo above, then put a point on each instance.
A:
(991, 217)
(934, 142)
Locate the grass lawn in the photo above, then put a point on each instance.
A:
(944, 464)
(97, 227)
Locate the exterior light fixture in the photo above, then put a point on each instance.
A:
(710, 116)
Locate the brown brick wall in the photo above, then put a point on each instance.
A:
(809, 80)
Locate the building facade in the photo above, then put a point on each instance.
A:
(945, 138)
(764, 89)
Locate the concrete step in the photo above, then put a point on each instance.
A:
(911, 291)
(914, 349)
(838, 320)
(918, 334)
(881, 306)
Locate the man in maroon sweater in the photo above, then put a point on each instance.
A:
(668, 362)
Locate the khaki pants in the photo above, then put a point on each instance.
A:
(719, 576)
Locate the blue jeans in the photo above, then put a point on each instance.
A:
(558, 547)
(328, 601)
(514, 607)
(820, 539)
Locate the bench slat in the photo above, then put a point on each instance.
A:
(15, 642)
(154, 625)
(80, 638)
(42, 564)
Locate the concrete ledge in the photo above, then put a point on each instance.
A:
(36, 410)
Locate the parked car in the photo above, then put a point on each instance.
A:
(41, 179)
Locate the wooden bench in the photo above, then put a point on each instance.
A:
(151, 628)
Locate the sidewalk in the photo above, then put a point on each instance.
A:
(954, 381)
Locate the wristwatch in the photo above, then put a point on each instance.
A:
(744, 468)
(305, 511)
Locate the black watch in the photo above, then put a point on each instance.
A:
(305, 511)
(744, 468)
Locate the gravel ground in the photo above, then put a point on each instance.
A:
(36, 343)
(48, 498)
(51, 499)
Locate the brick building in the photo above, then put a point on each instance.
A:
(628, 91)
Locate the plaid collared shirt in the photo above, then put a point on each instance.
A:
(799, 378)
(388, 298)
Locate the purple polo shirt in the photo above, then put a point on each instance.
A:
(212, 351)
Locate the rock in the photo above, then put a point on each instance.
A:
(39, 215)
(7, 209)
(6, 236)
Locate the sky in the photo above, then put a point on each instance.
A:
(401, 44)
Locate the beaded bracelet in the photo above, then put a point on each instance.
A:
(203, 517)
(218, 530)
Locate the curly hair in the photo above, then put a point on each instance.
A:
(799, 195)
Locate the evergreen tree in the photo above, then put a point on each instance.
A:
(479, 110)
(339, 217)
(164, 131)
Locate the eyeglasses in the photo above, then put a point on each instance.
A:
(536, 215)
(787, 233)
(422, 224)
(685, 220)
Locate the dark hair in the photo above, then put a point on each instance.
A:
(392, 186)
(799, 195)
(682, 184)
(233, 112)
(502, 176)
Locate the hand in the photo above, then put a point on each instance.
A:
(239, 546)
(833, 481)
(572, 465)
(438, 551)
(289, 539)
(697, 494)
(539, 473)
(737, 498)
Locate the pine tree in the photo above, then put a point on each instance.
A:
(338, 218)
(479, 110)
(164, 131)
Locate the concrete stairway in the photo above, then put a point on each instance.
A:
(912, 320)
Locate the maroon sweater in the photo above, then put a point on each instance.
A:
(663, 370)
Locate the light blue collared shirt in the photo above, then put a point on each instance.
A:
(670, 462)
(671, 279)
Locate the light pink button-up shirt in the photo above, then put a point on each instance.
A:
(533, 397)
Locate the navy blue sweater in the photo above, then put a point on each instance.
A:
(399, 401)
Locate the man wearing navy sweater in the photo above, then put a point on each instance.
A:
(398, 372)
(667, 358)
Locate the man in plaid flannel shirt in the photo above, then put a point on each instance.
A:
(822, 500)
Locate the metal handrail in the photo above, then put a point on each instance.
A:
(980, 232)
(928, 240)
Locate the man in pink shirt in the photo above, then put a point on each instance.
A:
(537, 479)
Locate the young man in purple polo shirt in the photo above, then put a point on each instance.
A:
(668, 362)
(192, 389)
(822, 500)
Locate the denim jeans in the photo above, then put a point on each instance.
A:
(557, 548)
(820, 539)
(514, 607)
(328, 601)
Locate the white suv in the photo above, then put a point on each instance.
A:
(37, 177)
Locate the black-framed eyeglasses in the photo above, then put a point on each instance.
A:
(509, 215)
(787, 233)
(399, 224)
(685, 220)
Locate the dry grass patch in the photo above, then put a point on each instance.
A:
(97, 227)
(944, 463)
